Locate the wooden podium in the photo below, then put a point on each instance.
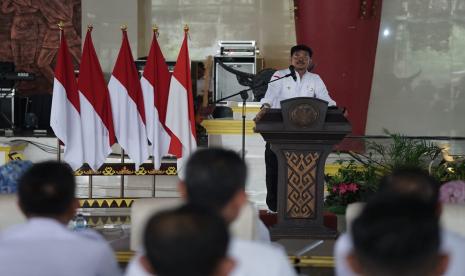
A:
(302, 134)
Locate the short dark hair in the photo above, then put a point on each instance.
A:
(47, 189)
(213, 176)
(302, 47)
(396, 235)
(412, 182)
(190, 240)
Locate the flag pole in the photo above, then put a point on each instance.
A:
(59, 150)
(91, 179)
(154, 180)
(60, 26)
(90, 186)
(124, 28)
(155, 30)
(121, 189)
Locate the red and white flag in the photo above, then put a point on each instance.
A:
(155, 86)
(180, 111)
(96, 115)
(65, 117)
(127, 104)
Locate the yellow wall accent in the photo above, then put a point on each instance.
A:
(8, 149)
(312, 261)
(332, 169)
(228, 127)
(303, 261)
(248, 109)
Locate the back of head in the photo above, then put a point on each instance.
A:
(302, 47)
(47, 189)
(413, 182)
(213, 177)
(396, 235)
(189, 240)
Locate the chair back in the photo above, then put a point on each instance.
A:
(10, 214)
(352, 212)
(244, 227)
(141, 210)
(453, 218)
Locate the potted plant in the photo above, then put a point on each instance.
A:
(358, 178)
(353, 182)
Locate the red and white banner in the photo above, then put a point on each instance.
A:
(127, 104)
(180, 111)
(155, 84)
(96, 114)
(65, 113)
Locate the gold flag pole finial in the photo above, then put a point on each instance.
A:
(186, 28)
(61, 25)
(90, 27)
(155, 29)
(124, 27)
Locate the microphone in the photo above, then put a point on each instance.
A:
(292, 74)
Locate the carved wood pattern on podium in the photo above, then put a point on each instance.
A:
(301, 183)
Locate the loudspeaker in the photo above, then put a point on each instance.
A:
(6, 67)
(226, 82)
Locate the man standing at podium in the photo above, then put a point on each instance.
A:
(300, 83)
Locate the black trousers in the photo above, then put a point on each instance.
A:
(271, 165)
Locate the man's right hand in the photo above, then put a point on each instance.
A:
(260, 114)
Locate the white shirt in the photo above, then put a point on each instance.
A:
(261, 232)
(451, 243)
(310, 85)
(259, 259)
(45, 247)
(135, 268)
(252, 258)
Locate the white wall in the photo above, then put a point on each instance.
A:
(107, 16)
(424, 37)
(416, 36)
(269, 22)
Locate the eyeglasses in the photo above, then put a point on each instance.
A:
(297, 56)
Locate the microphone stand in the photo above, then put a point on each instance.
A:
(245, 95)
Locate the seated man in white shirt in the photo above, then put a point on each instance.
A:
(416, 183)
(399, 236)
(44, 245)
(215, 179)
(187, 241)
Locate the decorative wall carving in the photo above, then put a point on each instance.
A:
(30, 37)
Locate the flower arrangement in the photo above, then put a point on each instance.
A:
(447, 171)
(357, 179)
(345, 188)
(352, 183)
(453, 192)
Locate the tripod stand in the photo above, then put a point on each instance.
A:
(4, 94)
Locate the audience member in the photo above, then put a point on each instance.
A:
(418, 184)
(215, 179)
(397, 235)
(187, 241)
(44, 245)
(10, 174)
